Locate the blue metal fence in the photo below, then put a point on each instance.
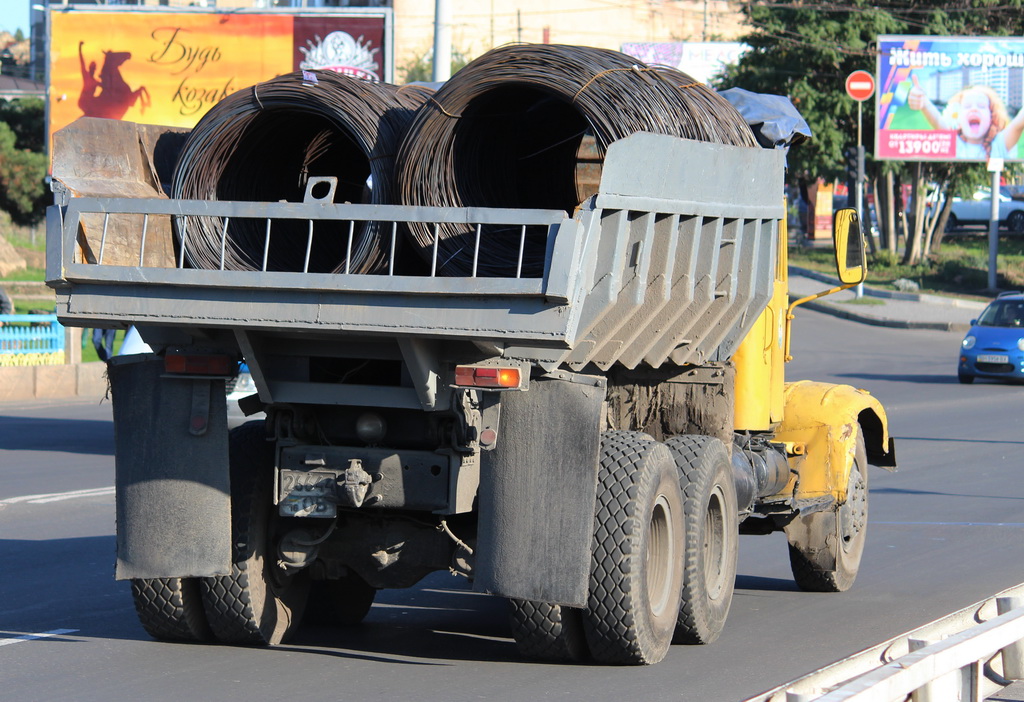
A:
(30, 339)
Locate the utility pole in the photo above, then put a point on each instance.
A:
(442, 41)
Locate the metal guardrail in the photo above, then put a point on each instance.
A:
(30, 339)
(968, 655)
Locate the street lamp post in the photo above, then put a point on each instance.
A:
(442, 41)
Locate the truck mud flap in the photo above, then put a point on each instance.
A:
(171, 472)
(537, 493)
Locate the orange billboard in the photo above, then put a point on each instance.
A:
(169, 68)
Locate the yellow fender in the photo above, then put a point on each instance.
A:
(820, 428)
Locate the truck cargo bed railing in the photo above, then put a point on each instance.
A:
(490, 308)
(387, 217)
(671, 261)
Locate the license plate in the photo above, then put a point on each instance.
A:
(992, 358)
(308, 493)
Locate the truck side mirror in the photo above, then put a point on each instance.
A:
(851, 263)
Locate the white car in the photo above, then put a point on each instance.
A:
(978, 210)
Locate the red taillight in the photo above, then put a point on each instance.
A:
(199, 364)
(488, 377)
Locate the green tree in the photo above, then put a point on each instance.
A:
(421, 68)
(806, 50)
(27, 118)
(22, 179)
(23, 161)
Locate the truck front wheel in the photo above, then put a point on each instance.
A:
(637, 564)
(712, 536)
(171, 609)
(825, 548)
(258, 603)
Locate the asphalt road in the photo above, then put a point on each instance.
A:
(945, 531)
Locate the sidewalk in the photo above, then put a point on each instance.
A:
(885, 308)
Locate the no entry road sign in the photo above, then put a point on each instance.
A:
(860, 85)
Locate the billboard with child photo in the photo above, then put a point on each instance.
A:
(949, 98)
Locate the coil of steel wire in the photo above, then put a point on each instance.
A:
(265, 142)
(512, 129)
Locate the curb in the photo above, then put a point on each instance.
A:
(86, 380)
(893, 295)
(883, 322)
(28, 290)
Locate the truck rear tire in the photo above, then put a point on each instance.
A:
(342, 602)
(636, 572)
(548, 632)
(839, 534)
(712, 537)
(171, 609)
(258, 603)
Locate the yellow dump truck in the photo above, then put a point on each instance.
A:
(582, 416)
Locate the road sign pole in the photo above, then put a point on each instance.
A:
(860, 139)
(859, 190)
(860, 85)
(996, 166)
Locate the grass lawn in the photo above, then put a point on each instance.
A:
(22, 237)
(866, 300)
(88, 350)
(960, 270)
(32, 307)
(35, 275)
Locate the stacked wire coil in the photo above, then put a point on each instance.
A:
(264, 144)
(506, 131)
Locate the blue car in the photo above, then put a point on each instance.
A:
(994, 348)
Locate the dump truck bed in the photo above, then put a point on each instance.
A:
(672, 261)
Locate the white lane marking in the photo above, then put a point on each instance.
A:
(57, 496)
(1015, 525)
(31, 637)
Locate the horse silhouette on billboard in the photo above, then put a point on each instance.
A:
(108, 95)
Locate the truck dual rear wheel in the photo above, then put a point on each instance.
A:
(258, 603)
(342, 602)
(171, 609)
(637, 565)
(712, 536)
(825, 548)
(548, 632)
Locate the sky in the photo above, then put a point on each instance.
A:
(14, 15)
